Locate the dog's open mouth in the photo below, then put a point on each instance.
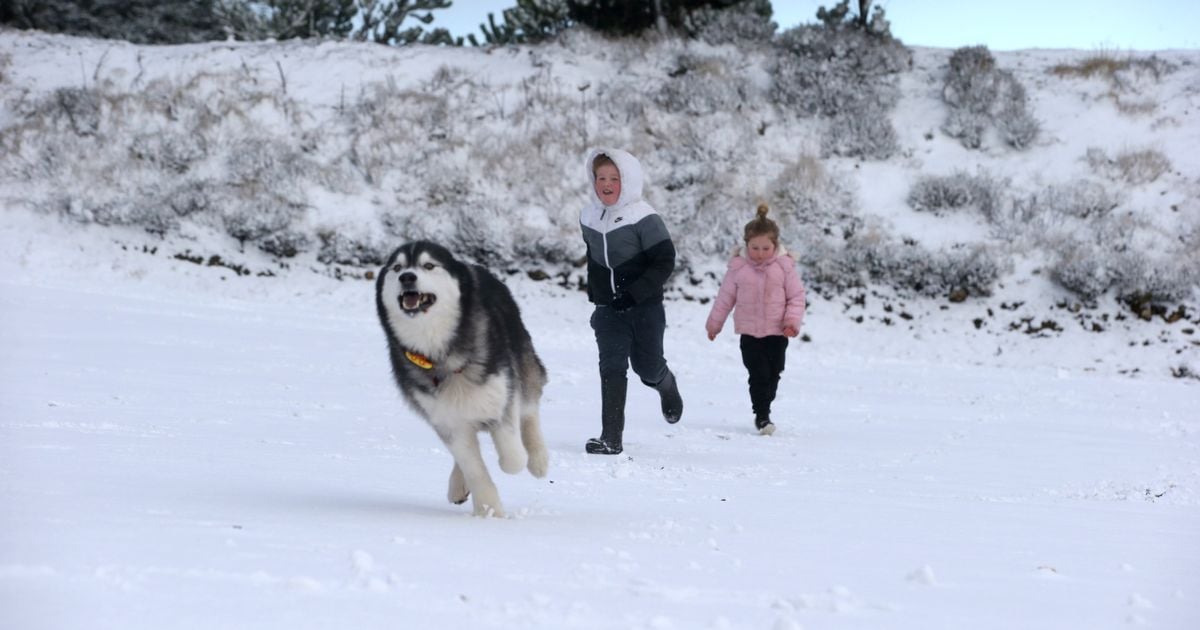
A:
(412, 302)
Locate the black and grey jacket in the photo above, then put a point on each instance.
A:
(628, 246)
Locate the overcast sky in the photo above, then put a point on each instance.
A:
(1000, 24)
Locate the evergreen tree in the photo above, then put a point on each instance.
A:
(138, 21)
(382, 19)
(614, 17)
(629, 17)
(287, 19)
(530, 21)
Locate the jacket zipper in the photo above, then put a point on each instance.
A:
(612, 275)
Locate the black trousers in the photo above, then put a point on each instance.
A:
(635, 338)
(763, 358)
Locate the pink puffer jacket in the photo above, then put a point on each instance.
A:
(768, 296)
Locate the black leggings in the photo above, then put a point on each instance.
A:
(763, 358)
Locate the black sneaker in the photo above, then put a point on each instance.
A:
(764, 425)
(596, 446)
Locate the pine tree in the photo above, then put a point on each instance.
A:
(531, 21)
(629, 17)
(382, 19)
(614, 17)
(138, 21)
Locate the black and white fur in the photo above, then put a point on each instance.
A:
(485, 374)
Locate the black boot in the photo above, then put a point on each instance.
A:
(763, 423)
(612, 417)
(672, 403)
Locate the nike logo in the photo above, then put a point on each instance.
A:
(618, 219)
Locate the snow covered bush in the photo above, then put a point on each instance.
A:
(1126, 254)
(980, 96)
(1081, 199)
(343, 249)
(704, 84)
(862, 130)
(937, 193)
(813, 204)
(1133, 166)
(835, 70)
(1080, 268)
(744, 23)
(876, 256)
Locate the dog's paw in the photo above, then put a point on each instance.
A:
(483, 510)
(457, 492)
(512, 461)
(539, 463)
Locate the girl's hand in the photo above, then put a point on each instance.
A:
(790, 330)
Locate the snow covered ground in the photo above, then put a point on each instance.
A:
(181, 447)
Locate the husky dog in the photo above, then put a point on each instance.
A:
(464, 361)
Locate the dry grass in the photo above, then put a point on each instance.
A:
(1104, 63)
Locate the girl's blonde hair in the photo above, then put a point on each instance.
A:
(762, 226)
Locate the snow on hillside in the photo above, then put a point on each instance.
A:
(196, 433)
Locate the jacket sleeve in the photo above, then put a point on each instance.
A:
(726, 299)
(660, 259)
(794, 290)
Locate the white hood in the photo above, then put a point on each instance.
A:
(631, 176)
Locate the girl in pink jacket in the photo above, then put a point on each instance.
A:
(764, 285)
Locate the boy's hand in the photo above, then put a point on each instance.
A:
(622, 302)
(790, 330)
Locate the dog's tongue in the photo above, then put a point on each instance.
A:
(410, 301)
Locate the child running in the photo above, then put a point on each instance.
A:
(766, 288)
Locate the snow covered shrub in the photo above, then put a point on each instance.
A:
(745, 23)
(971, 268)
(254, 218)
(823, 71)
(1131, 166)
(189, 198)
(1080, 199)
(170, 151)
(1156, 279)
(936, 193)
(980, 96)
(908, 267)
(839, 70)
(702, 85)
(1126, 254)
(1079, 268)
(79, 108)
(286, 243)
(337, 248)
(1018, 128)
(862, 130)
(264, 196)
(812, 204)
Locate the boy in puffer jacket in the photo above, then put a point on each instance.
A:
(766, 288)
(630, 255)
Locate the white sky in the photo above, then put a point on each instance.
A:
(1012, 24)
